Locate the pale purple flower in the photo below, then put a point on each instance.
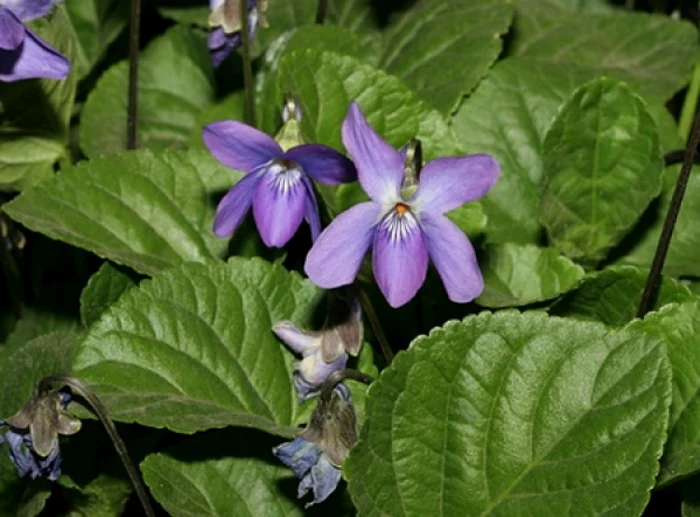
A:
(23, 54)
(225, 20)
(403, 228)
(317, 455)
(277, 183)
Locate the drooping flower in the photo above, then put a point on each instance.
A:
(403, 225)
(23, 54)
(317, 455)
(277, 182)
(324, 351)
(225, 21)
(32, 435)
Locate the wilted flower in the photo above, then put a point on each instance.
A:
(403, 226)
(23, 54)
(276, 184)
(33, 435)
(225, 20)
(317, 455)
(324, 351)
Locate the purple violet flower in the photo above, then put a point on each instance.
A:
(276, 183)
(317, 455)
(225, 20)
(32, 435)
(403, 226)
(23, 54)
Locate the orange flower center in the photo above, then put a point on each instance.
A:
(401, 208)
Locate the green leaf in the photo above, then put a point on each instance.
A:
(470, 218)
(34, 323)
(679, 327)
(149, 211)
(186, 14)
(102, 291)
(514, 414)
(528, 95)
(24, 366)
(97, 24)
(517, 275)
(325, 83)
(35, 113)
(602, 167)
(442, 48)
(192, 349)
(176, 83)
(652, 53)
(20, 497)
(231, 107)
(223, 473)
(612, 296)
(682, 253)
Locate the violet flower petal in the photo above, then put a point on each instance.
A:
(447, 183)
(33, 59)
(28, 10)
(299, 455)
(315, 370)
(278, 208)
(336, 256)
(311, 210)
(238, 145)
(235, 205)
(399, 258)
(322, 480)
(379, 166)
(298, 340)
(217, 38)
(323, 163)
(12, 30)
(453, 257)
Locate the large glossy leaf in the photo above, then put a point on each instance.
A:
(326, 82)
(192, 349)
(97, 24)
(35, 113)
(442, 48)
(149, 211)
(682, 258)
(176, 83)
(227, 473)
(653, 53)
(612, 296)
(517, 275)
(602, 167)
(514, 414)
(679, 327)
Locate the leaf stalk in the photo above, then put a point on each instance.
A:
(132, 101)
(247, 67)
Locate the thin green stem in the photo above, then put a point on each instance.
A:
(321, 11)
(100, 410)
(376, 325)
(247, 67)
(339, 376)
(132, 101)
(651, 287)
(690, 105)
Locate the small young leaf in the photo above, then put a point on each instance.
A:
(102, 291)
(514, 414)
(225, 473)
(679, 327)
(193, 349)
(612, 296)
(442, 48)
(176, 83)
(602, 167)
(149, 211)
(517, 275)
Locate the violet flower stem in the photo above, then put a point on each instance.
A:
(654, 279)
(690, 105)
(132, 101)
(247, 67)
(82, 389)
(321, 11)
(376, 325)
(339, 376)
